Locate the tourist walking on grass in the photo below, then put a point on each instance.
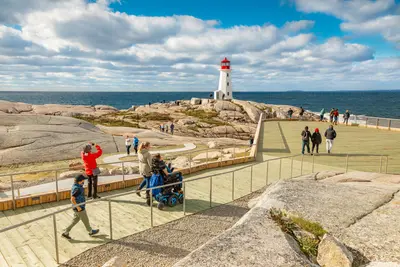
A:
(346, 117)
(91, 169)
(172, 128)
(331, 115)
(305, 137)
(330, 135)
(321, 115)
(316, 140)
(144, 165)
(290, 113)
(77, 197)
(135, 144)
(128, 144)
(336, 116)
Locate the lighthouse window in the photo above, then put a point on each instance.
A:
(227, 75)
(227, 84)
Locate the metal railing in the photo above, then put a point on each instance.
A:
(237, 152)
(259, 174)
(378, 122)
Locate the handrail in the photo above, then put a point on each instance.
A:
(132, 192)
(116, 162)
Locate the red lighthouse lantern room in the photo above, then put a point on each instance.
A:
(225, 64)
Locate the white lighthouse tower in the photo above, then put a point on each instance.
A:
(224, 91)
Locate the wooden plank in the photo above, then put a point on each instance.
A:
(29, 256)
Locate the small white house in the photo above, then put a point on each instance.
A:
(224, 91)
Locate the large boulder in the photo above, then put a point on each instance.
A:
(226, 105)
(229, 115)
(255, 240)
(189, 121)
(14, 107)
(332, 253)
(253, 112)
(195, 101)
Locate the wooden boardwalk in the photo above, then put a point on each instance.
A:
(34, 244)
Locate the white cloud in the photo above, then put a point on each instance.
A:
(351, 10)
(79, 45)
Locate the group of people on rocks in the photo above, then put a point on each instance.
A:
(316, 139)
(165, 127)
(334, 116)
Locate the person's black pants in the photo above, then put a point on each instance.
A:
(128, 150)
(315, 145)
(135, 147)
(92, 186)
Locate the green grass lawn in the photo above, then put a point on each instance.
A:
(357, 141)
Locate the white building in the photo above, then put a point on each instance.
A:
(224, 91)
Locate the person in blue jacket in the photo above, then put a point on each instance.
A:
(135, 144)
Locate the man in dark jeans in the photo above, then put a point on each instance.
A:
(89, 161)
(77, 197)
(305, 137)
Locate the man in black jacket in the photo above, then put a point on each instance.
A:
(316, 140)
(330, 135)
(305, 137)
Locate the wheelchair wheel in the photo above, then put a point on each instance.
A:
(172, 200)
(160, 205)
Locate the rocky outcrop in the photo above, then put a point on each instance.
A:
(253, 112)
(359, 216)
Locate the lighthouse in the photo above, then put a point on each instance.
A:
(224, 91)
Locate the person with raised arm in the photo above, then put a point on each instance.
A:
(91, 169)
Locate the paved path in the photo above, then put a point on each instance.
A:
(116, 158)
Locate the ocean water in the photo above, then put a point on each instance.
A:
(370, 103)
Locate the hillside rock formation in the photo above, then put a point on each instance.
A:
(362, 214)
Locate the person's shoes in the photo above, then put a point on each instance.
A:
(312, 154)
(89, 198)
(138, 193)
(66, 236)
(329, 152)
(94, 232)
(97, 196)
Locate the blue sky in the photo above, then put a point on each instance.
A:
(103, 45)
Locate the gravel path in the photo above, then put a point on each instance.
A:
(166, 244)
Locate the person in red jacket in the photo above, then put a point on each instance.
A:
(89, 161)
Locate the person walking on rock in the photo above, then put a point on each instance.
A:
(346, 117)
(336, 116)
(290, 113)
(301, 113)
(172, 127)
(316, 140)
(321, 115)
(128, 144)
(135, 144)
(144, 165)
(330, 135)
(331, 115)
(77, 197)
(305, 137)
(91, 169)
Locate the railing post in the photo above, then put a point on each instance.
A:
(387, 163)
(280, 168)
(347, 163)
(56, 238)
(110, 219)
(377, 123)
(389, 124)
(301, 168)
(291, 168)
(266, 174)
(58, 197)
(184, 199)
(313, 160)
(251, 178)
(207, 158)
(190, 162)
(12, 191)
(380, 167)
(151, 207)
(123, 173)
(211, 191)
(233, 185)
